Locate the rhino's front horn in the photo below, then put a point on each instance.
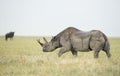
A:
(45, 40)
(40, 42)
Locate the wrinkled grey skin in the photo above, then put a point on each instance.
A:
(74, 40)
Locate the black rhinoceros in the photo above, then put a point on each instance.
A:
(74, 40)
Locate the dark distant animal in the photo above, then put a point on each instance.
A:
(9, 35)
(74, 40)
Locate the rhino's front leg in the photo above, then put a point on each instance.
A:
(74, 53)
(62, 51)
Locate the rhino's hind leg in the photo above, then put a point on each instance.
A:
(107, 53)
(62, 51)
(96, 52)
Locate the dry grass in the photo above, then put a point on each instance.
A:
(24, 57)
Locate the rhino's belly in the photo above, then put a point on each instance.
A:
(81, 49)
(84, 50)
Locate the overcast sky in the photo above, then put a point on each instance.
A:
(49, 17)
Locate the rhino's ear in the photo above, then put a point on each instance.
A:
(40, 42)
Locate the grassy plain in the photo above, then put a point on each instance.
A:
(24, 57)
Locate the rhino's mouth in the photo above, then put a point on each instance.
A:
(48, 50)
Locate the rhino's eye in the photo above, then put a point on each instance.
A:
(54, 39)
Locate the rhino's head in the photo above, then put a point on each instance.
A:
(49, 46)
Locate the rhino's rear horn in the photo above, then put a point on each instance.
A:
(45, 40)
(40, 42)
